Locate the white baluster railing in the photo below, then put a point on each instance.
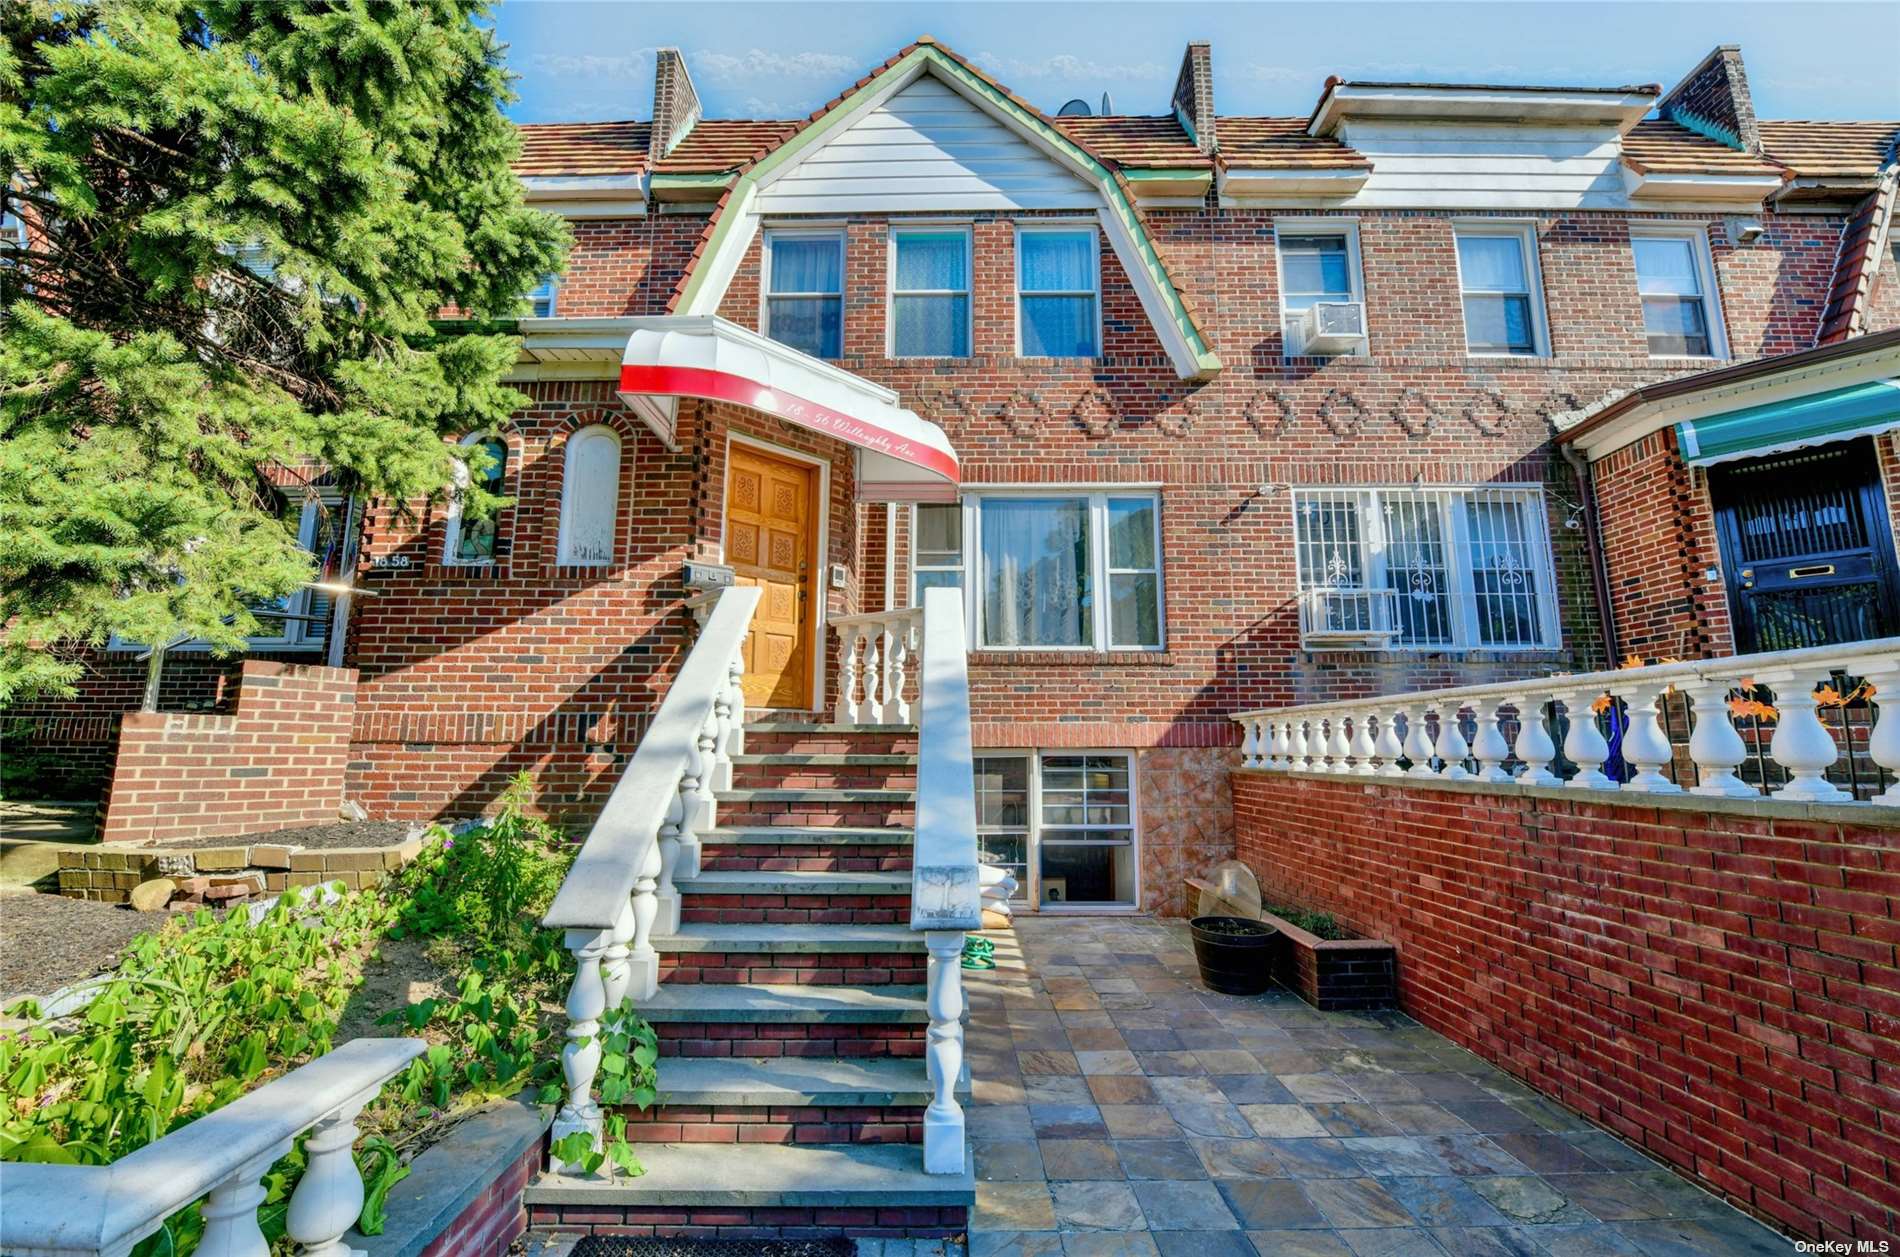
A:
(621, 886)
(876, 650)
(946, 885)
(105, 1210)
(1311, 737)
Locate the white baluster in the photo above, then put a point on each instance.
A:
(1418, 744)
(580, 1058)
(721, 776)
(1296, 744)
(666, 896)
(1489, 747)
(1534, 744)
(735, 685)
(1883, 740)
(943, 1119)
(1279, 751)
(230, 1211)
(1338, 743)
(1646, 745)
(1363, 745)
(1714, 745)
(616, 967)
(1250, 743)
(1802, 744)
(1585, 744)
(327, 1199)
(645, 961)
(1452, 747)
(1389, 747)
(896, 702)
(847, 674)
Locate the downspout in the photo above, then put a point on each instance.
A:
(1593, 543)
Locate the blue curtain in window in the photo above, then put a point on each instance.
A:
(805, 265)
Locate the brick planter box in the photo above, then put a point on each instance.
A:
(1336, 973)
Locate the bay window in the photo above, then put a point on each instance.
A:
(1058, 292)
(1677, 286)
(1426, 568)
(930, 293)
(1048, 570)
(804, 291)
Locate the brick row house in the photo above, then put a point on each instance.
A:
(1202, 412)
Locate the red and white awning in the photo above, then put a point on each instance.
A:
(902, 457)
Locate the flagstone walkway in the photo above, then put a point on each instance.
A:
(1122, 1109)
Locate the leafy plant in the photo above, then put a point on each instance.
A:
(1318, 924)
(629, 1074)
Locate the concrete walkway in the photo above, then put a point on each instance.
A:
(1123, 1109)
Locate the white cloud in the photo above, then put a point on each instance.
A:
(760, 63)
(637, 64)
(1068, 69)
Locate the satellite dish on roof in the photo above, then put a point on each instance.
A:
(1077, 108)
(1108, 105)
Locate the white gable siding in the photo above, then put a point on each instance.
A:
(1521, 166)
(926, 148)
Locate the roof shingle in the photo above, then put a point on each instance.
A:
(716, 145)
(1659, 146)
(1819, 149)
(583, 148)
(1135, 141)
(1282, 142)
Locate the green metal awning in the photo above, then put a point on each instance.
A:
(1837, 415)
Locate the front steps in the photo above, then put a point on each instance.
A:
(791, 1014)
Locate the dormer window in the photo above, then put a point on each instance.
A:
(1058, 285)
(804, 292)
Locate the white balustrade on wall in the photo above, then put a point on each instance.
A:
(621, 890)
(876, 651)
(1428, 729)
(105, 1210)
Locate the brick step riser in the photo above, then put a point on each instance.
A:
(821, 813)
(824, 776)
(832, 1040)
(691, 1124)
(795, 969)
(797, 909)
(762, 858)
(830, 743)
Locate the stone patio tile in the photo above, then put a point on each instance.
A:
(1240, 1158)
(1067, 1159)
(1610, 1197)
(1260, 1088)
(1115, 1061)
(1096, 1207)
(1144, 1039)
(1039, 1039)
(1015, 1244)
(1095, 1039)
(1220, 1121)
(1319, 1088)
(1282, 1061)
(1490, 1117)
(1526, 1198)
(1013, 1207)
(998, 1089)
(1143, 1121)
(1066, 1121)
(1209, 1038)
(1444, 1201)
(1487, 1241)
(1422, 1118)
(1109, 1244)
(1598, 1239)
(1049, 1063)
(1085, 1019)
(1174, 1090)
(1387, 1088)
(1443, 1087)
(1282, 1121)
(1399, 1156)
(1298, 1244)
(1355, 1202)
(997, 1121)
(1112, 986)
(1167, 1064)
(1731, 1235)
(1080, 999)
(1472, 1154)
(1228, 1061)
(1607, 1150)
(1121, 1089)
(1178, 1206)
(1008, 1160)
(1270, 1204)
(1314, 1158)
(1682, 1198)
(1159, 1158)
(1057, 1089)
(1203, 1244)
(1352, 1120)
(1547, 1153)
(1547, 1115)
(1392, 1242)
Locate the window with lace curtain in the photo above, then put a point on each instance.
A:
(1058, 280)
(590, 497)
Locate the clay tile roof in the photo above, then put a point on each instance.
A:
(1863, 241)
(583, 148)
(1818, 149)
(1658, 146)
(715, 145)
(1282, 142)
(1135, 141)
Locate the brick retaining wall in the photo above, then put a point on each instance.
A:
(1716, 983)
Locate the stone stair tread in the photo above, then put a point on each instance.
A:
(747, 882)
(724, 1004)
(800, 726)
(768, 1175)
(814, 794)
(816, 835)
(816, 1081)
(791, 758)
(712, 936)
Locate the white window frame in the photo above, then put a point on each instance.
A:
(552, 283)
(1525, 233)
(766, 292)
(967, 292)
(452, 520)
(1461, 596)
(1069, 226)
(564, 538)
(1697, 234)
(1101, 622)
(1032, 852)
(1346, 228)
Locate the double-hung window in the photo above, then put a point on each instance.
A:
(1677, 286)
(804, 291)
(1319, 262)
(1058, 289)
(1498, 284)
(1430, 568)
(930, 293)
(1048, 570)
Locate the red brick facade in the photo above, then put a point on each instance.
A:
(1721, 989)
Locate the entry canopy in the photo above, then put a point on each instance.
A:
(902, 457)
(1837, 415)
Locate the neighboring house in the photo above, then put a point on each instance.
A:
(1204, 413)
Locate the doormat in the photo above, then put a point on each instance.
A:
(624, 1246)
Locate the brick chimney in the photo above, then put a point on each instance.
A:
(675, 103)
(1713, 100)
(1194, 94)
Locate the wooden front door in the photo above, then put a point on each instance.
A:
(771, 542)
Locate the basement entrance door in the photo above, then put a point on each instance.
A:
(771, 542)
(1806, 547)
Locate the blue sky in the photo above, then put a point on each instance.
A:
(592, 61)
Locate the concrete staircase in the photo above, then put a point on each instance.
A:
(791, 1014)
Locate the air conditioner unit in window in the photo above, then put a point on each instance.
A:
(1332, 327)
(1348, 615)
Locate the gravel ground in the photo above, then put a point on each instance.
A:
(47, 941)
(341, 834)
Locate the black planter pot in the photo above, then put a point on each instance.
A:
(1235, 955)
